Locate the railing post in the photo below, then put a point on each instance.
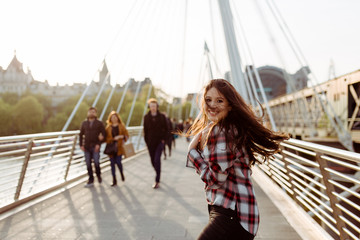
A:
(340, 224)
(70, 158)
(23, 170)
(139, 140)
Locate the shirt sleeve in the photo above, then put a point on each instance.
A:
(82, 131)
(109, 137)
(164, 128)
(145, 129)
(124, 132)
(102, 129)
(213, 170)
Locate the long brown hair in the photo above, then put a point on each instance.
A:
(242, 127)
(108, 121)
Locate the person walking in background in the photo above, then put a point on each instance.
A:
(180, 126)
(116, 131)
(155, 134)
(174, 133)
(187, 126)
(92, 133)
(228, 137)
(169, 137)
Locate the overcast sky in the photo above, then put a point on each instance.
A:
(66, 41)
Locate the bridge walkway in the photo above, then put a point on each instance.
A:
(133, 209)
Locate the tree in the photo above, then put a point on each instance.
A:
(5, 119)
(137, 113)
(10, 98)
(27, 116)
(79, 117)
(176, 110)
(144, 93)
(56, 123)
(186, 107)
(45, 101)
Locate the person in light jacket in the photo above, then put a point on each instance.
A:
(116, 131)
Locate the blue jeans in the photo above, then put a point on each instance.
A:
(96, 157)
(116, 160)
(155, 155)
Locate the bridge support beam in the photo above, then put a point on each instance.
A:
(24, 168)
(334, 202)
(237, 76)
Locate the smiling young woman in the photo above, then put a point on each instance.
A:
(226, 137)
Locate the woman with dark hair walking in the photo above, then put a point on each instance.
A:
(116, 131)
(228, 139)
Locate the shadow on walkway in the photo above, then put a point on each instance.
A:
(133, 209)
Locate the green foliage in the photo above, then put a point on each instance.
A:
(186, 108)
(68, 105)
(35, 113)
(176, 112)
(56, 123)
(46, 102)
(136, 115)
(164, 107)
(144, 92)
(79, 117)
(102, 100)
(5, 119)
(27, 116)
(10, 98)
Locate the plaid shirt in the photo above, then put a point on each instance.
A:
(227, 178)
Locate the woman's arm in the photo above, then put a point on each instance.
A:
(213, 170)
(123, 133)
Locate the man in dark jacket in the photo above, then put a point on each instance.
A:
(155, 133)
(92, 134)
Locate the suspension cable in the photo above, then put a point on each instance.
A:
(107, 102)
(290, 83)
(123, 96)
(103, 84)
(143, 114)
(88, 83)
(254, 69)
(343, 134)
(133, 104)
(128, 53)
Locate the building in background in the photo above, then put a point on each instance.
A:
(14, 79)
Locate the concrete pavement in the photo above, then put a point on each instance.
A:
(133, 209)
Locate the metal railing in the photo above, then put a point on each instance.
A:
(324, 181)
(34, 164)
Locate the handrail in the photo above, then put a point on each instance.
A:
(326, 150)
(34, 164)
(324, 181)
(36, 135)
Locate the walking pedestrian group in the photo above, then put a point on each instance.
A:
(225, 141)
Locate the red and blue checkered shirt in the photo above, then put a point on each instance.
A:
(227, 178)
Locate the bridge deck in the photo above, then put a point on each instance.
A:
(133, 210)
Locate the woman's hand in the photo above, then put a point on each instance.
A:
(194, 142)
(118, 137)
(97, 148)
(198, 142)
